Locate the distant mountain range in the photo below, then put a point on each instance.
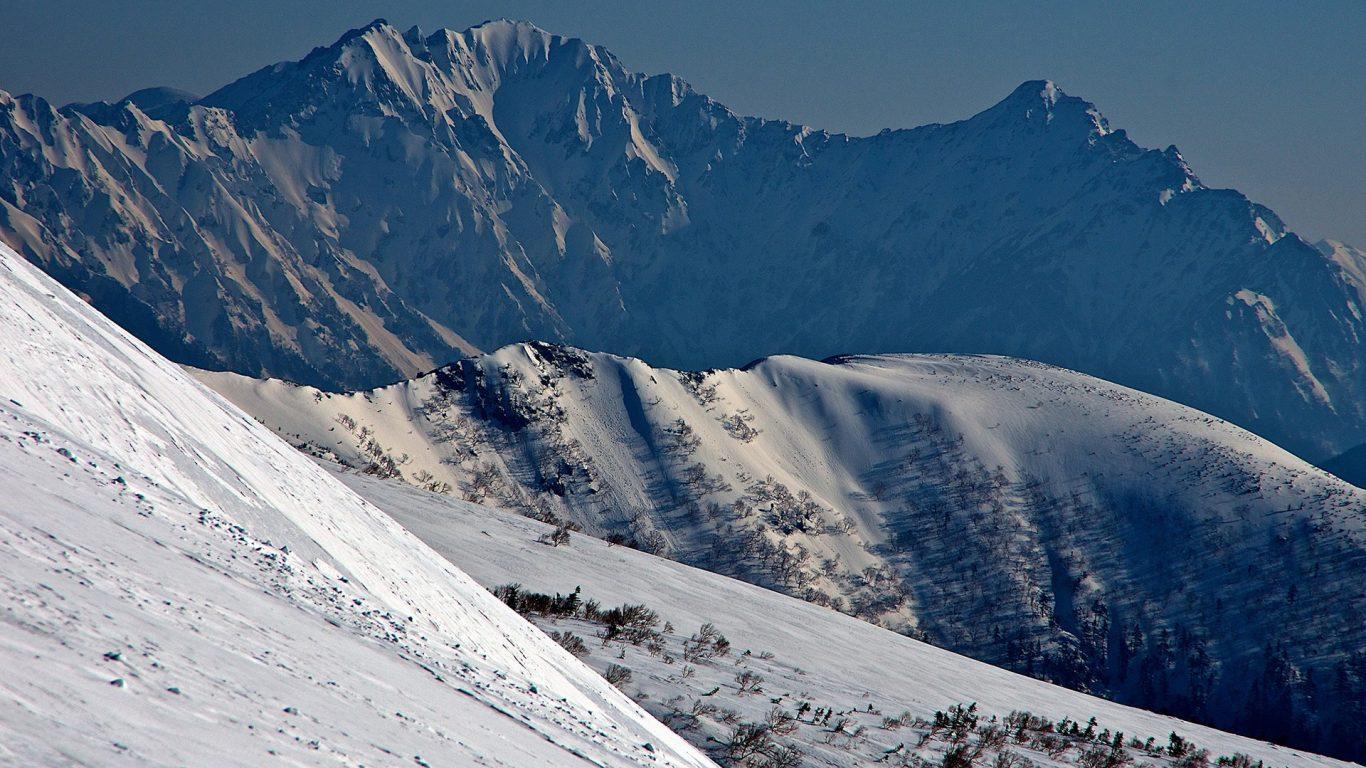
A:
(396, 200)
(1022, 514)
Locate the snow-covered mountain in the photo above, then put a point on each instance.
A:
(869, 677)
(395, 199)
(179, 587)
(1018, 513)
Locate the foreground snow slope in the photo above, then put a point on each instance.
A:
(180, 587)
(1019, 513)
(818, 655)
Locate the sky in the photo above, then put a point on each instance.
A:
(1265, 97)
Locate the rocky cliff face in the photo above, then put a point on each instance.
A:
(394, 200)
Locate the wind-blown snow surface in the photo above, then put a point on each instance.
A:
(180, 587)
(1015, 512)
(396, 199)
(817, 655)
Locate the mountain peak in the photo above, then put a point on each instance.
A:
(1031, 91)
(148, 99)
(509, 39)
(1043, 102)
(394, 71)
(378, 25)
(502, 28)
(504, 23)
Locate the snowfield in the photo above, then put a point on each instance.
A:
(180, 587)
(1018, 513)
(817, 655)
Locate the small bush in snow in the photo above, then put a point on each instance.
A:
(560, 535)
(749, 682)
(570, 642)
(617, 674)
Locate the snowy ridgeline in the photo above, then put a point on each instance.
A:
(749, 675)
(179, 587)
(1022, 514)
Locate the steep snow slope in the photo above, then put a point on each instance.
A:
(394, 199)
(180, 587)
(1015, 512)
(802, 652)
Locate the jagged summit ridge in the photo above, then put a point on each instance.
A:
(378, 54)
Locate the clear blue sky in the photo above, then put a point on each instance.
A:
(1267, 97)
